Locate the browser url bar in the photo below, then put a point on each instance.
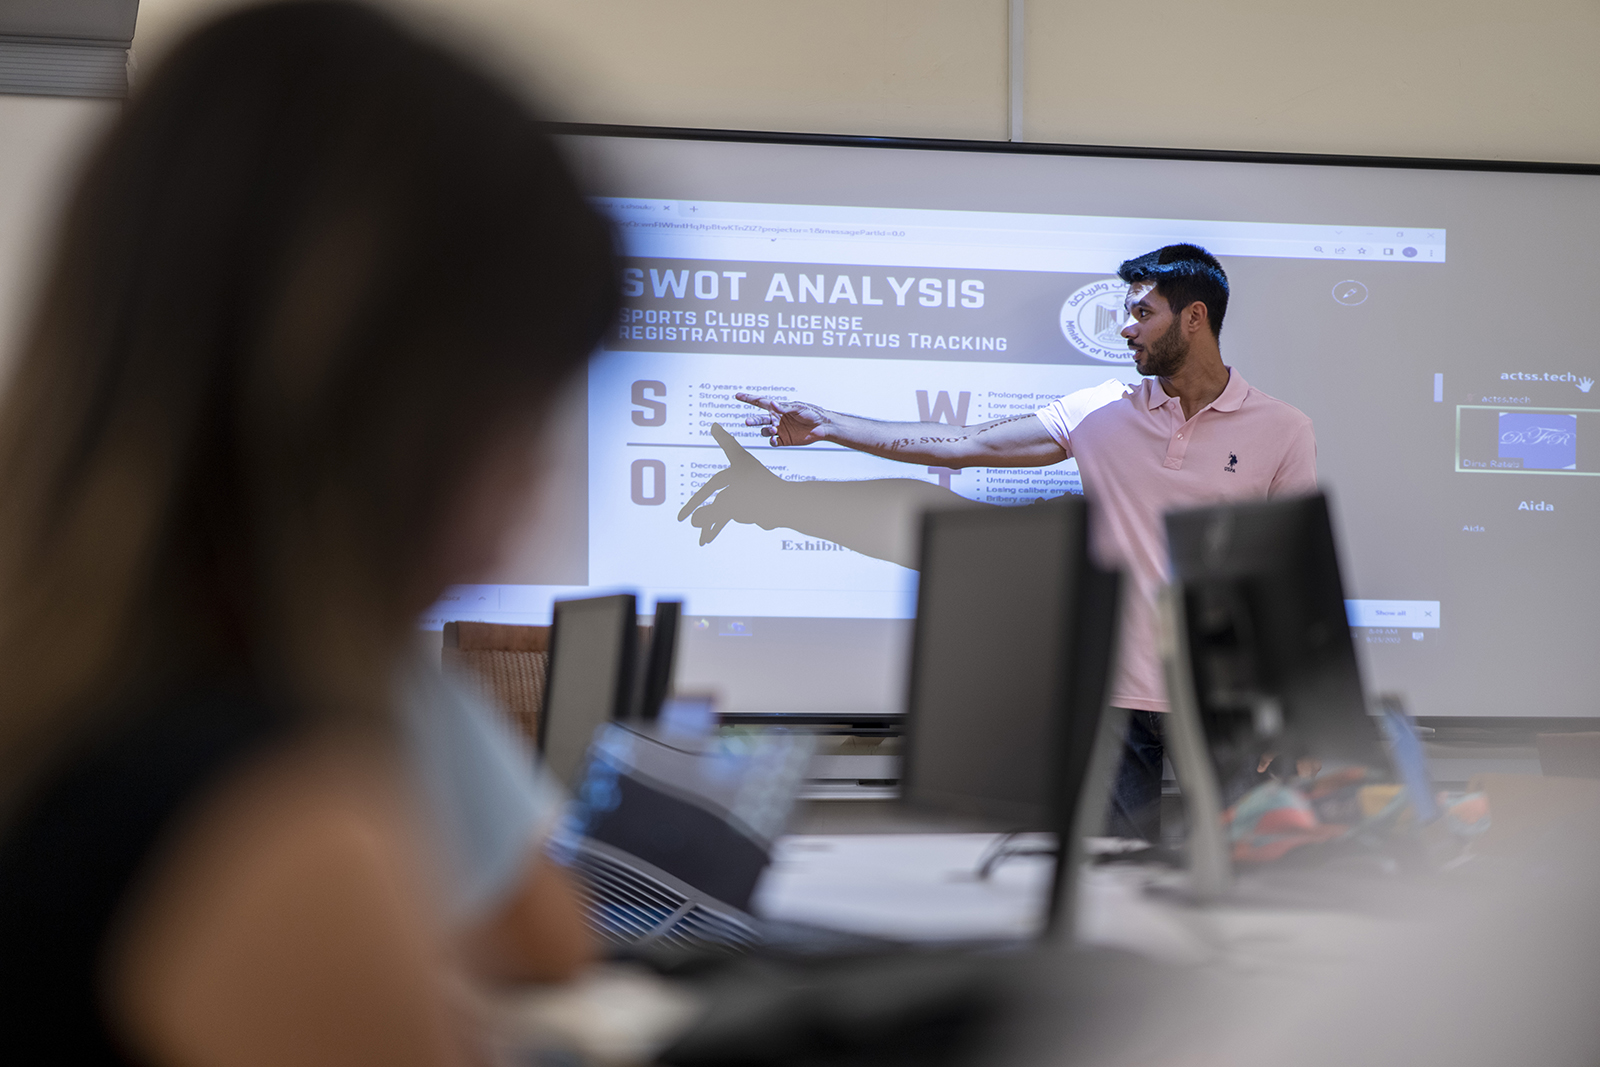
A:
(758, 229)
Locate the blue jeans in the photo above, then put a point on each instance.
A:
(1136, 789)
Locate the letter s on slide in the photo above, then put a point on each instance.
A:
(932, 292)
(655, 413)
(972, 293)
(633, 282)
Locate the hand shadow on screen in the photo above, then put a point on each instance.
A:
(879, 518)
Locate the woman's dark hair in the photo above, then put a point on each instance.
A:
(1183, 274)
(314, 274)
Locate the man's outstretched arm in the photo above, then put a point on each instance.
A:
(1019, 441)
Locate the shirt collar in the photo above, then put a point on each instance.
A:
(1155, 396)
(1230, 399)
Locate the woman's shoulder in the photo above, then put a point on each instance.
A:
(300, 890)
(77, 844)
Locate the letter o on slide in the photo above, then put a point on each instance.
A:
(658, 482)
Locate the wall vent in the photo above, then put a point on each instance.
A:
(66, 47)
(41, 66)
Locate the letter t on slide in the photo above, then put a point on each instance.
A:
(1438, 388)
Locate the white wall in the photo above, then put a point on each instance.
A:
(1473, 78)
(1482, 79)
(911, 67)
(41, 140)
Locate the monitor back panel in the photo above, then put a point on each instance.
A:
(986, 697)
(656, 684)
(1265, 617)
(592, 649)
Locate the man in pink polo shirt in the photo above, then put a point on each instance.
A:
(1193, 433)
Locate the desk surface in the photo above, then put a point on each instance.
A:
(1493, 969)
(915, 887)
(1496, 962)
(923, 886)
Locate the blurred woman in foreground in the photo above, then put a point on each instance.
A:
(307, 304)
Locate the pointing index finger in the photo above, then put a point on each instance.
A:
(774, 406)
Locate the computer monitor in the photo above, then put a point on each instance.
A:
(1269, 645)
(593, 648)
(660, 660)
(1262, 663)
(1010, 651)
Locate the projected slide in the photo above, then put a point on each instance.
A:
(902, 314)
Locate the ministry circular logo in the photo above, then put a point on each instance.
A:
(1092, 320)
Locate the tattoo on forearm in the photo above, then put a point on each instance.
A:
(1001, 422)
(903, 443)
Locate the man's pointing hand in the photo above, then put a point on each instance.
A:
(788, 422)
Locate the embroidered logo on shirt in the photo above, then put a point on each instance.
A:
(1233, 462)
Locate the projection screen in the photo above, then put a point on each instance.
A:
(1434, 321)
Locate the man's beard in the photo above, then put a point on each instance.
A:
(1165, 356)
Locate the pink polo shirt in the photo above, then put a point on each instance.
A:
(1139, 459)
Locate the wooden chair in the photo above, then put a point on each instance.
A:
(507, 664)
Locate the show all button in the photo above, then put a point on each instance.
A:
(1409, 614)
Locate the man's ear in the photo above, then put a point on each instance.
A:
(1196, 317)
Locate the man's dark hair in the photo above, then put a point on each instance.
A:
(1183, 274)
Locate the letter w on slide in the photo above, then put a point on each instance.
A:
(940, 410)
(677, 282)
